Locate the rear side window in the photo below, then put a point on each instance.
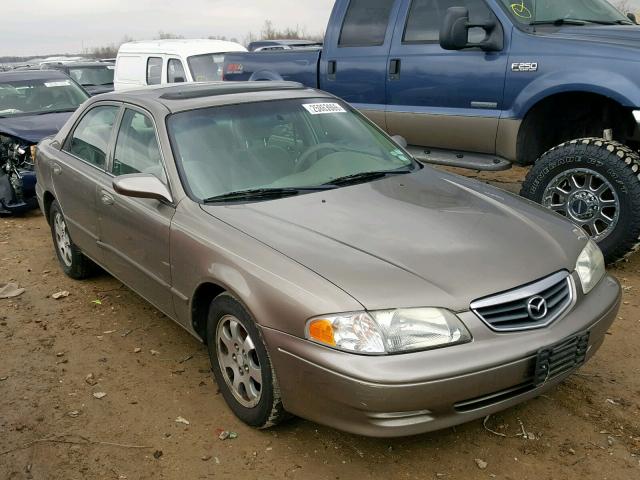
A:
(137, 149)
(175, 71)
(90, 139)
(426, 16)
(154, 71)
(365, 23)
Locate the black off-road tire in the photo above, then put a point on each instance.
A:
(614, 162)
(76, 265)
(269, 410)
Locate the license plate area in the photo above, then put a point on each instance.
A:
(561, 358)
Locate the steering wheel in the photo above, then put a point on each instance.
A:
(305, 158)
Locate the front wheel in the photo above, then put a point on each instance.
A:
(596, 184)
(241, 364)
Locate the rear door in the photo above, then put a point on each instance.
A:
(80, 169)
(353, 65)
(134, 232)
(441, 98)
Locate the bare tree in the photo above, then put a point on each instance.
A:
(269, 32)
(623, 5)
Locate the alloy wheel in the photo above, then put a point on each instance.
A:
(63, 242)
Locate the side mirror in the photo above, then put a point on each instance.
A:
(400, 140)
(454, 33)
(142, 185)
(632, 16)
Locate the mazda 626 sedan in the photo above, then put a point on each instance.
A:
(331, 275)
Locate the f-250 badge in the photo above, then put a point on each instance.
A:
(524, 67)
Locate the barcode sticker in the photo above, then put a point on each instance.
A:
(322, 108)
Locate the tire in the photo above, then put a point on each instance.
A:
(257, 407)
(73, 262)
(596, 184)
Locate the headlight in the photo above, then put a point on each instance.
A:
(590, 266)
(388, 331)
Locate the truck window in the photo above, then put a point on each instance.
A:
(175, 71)
(154, 71)
(365, 23)
(426, 16)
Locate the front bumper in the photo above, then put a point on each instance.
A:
(8, 202)
(410, 394)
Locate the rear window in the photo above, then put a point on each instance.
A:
(365, 23)
(154, 71)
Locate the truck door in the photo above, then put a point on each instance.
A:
(353, 64)
(440, 98)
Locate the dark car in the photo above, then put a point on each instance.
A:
(33, 105)
(95, 77)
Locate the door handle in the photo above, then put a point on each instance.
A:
(106, 199)
(394, 68)
(57, 169)
(332, 68)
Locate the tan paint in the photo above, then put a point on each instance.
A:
(472, 134)
(507, 139)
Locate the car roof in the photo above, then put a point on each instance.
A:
(181, 47)
(192, 96)
(86, 64)
(20, 75)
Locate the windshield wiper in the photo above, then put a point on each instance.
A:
(62, 110)
(560, 21)
(264, 193)
(365, 177)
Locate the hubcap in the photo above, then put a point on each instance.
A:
(63, 242)
(238, 360)
(587, 198)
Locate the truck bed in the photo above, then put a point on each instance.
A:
(291, 65)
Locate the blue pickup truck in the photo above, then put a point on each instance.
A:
(484, 84)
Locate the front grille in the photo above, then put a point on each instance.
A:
(533, 306)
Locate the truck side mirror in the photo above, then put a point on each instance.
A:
(632, 16)
(454, 33)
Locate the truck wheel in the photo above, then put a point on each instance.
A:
(596, 184)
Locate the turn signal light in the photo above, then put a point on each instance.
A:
(322, 331)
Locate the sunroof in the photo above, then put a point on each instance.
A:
(200, 91)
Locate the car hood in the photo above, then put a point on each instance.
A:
(424, 239)
(617, 35)
(33, 128)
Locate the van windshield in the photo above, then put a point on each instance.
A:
(207, 67)
(280, 148)
(539, 12)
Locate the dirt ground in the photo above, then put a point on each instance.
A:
(53, 427)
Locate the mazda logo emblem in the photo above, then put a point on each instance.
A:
(537, 308)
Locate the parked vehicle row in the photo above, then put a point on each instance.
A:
(486, 83)
(330, 274)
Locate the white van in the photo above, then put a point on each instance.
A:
(160, 62)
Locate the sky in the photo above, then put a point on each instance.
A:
(41, 27)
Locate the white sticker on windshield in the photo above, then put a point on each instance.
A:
(321, 108)
(61, 83)
(111, 67)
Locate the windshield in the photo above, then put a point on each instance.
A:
(269, 146)
(93, 76)
(22, 97)
(206, 68)
(550, 11)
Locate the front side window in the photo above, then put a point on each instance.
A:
(594, 12)
(207, 68)
(154, 71)
(38, 96)
(90, 139)
(292, 144)
(93, 76)
(137, 149)
(175, 71)
(365, 23)
(426, 17)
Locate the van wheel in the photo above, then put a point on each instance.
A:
(241, 364)
(73, 262)
(596, 184)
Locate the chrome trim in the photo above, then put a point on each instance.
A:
(524, 293)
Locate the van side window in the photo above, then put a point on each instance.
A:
(365, 23)
(90, 139)
(137, 149)
(175, 71)
(154, 71)
(426, 17)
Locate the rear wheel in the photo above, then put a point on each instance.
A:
(73, 262)
(241, 364)
(596, 184)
